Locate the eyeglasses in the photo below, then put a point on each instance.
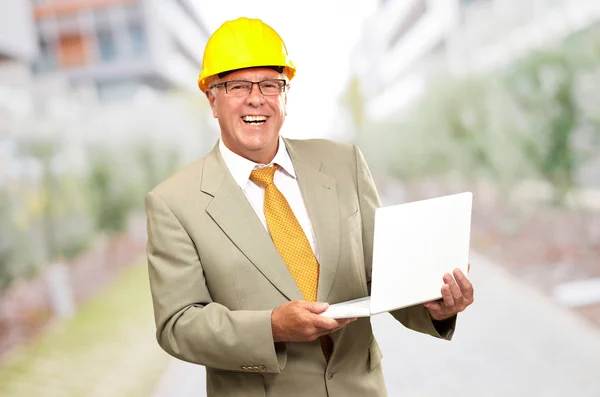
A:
(244, 87)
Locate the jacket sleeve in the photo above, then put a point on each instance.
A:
(415, 317)
(189, 325)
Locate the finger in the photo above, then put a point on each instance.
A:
(458, 273)
(314, 307)
(454, 289)
(447, 296)
(434, 305)
(342, 323)
(468, 267)
(322, 323)
(465, 285)
(345, 321)
(334, 330)
(339, 324)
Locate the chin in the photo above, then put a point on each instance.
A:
(261, 141)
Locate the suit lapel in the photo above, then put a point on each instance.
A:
(233, 213)
(320, 197)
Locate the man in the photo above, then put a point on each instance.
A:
(246, 245)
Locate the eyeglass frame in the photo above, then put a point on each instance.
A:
(224, 84)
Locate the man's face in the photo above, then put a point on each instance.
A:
(250, 124)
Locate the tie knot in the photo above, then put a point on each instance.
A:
(263, 176)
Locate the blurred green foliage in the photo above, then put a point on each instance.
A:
(525, 121)
(119, 178)
(111, 197)
(542, 85)
(156, 162)
(7, 230)
(55, 214)
(80, 171)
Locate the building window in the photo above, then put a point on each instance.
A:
(133, 11)
(68, 22)
(46, 27)
(466, 3)
(46, 60)
(72, 51)
(107, 46)
(137, 37)
(416, 11)
(102, 18)
(112, 90)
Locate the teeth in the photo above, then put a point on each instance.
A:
(254, 118)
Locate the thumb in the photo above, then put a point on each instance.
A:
(316, 307)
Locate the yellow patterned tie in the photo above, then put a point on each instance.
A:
(291, 242)
(288, 236)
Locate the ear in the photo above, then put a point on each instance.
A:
(212, 102)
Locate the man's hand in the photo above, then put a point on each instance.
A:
(299, 321)
(456, 296)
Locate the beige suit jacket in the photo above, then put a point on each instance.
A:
(215, 277)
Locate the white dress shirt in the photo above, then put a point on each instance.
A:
(284, 178)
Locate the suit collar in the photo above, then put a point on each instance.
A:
(233, 213)
(319, 192)
(240, 167)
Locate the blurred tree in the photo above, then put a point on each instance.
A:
(43, 150)
(155, 163)
(75, 235)
(583, 49)
(542, 86)
(111, 194)
(355, 127)
(462, 126)
(353, 100)
(7, 247)
(58, 204)
(457, 120)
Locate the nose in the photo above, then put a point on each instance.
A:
(255, 97)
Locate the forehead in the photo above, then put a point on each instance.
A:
(253, 74)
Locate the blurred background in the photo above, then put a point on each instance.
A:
(98, 103)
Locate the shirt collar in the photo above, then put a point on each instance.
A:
(240, 167)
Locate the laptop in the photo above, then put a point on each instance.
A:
(414, 245)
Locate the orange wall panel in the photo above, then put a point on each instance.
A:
(72, 51)
(66, 7)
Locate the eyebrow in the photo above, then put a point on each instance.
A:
(260, 79)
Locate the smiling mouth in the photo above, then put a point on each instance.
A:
(254, 120)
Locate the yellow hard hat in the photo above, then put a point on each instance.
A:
(243, 43)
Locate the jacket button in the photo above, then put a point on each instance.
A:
(255, 368)
(262, 368)
(244, 368)
(329, 375)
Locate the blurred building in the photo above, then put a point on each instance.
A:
(399, 43)
(406, 40)
(17, 48)
(118, 45)
(492, 33)
(17, 40)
